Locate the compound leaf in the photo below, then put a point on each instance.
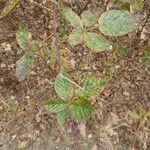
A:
(96, 42)
(62, 116)
(88, 18)
(8, 8)
(56, 105)
(81, 109)
(117, 23)
(75, 38)
(23, 66)
(63, 86)
(73, 18)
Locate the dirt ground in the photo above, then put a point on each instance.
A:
(24, 122)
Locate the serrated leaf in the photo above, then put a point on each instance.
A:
(88, 18)
(117, 23)
(81, 109)
(63, 86)
(96, 42)
(8, 7)
(75, 38)
(57, 105)
(62, 116)
(23, 37)
(23, 66)
(73, 18)
(90, 87)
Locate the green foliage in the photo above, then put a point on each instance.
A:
(81, 109)
(23, 66)
(111, 23)
(125, 6)
(62, 116)
(76, 37)
(96, 42)
(73, 18)
(90, 87)
(120, 52)
(145, 60)
(23, 37)
(117, 23)
(57, 105)
(138, 5)
(63, 86)
(8, 7)
(88, 18)
(139, 116)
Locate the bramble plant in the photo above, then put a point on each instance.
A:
(76, 101)
(110, 23)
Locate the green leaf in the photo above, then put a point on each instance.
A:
(145, 60)
(23, 37)
(88, 18)
(8, 7)
(81, 109)
(62, 116)
(90, 87)
(23, 66)
(134, 116)
(138, 5)
(96, 42)
(117, 23)
(121, 51)
(63, 86)
(57, 105)
(102, 81)
(75, 38)
(125, 6)
(73, 18)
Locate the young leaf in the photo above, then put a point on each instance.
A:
(62, 116)
(23, 66)
(8, 8)
(117, 23)
(96, 42)
(73, 18)
(23, 37)
(81, 109)
(121, 51)
(57, 105)
(75, 38)
(145, 60)
(102, 81)
(88, 18)
(138, 4)
(125, 6)
(63, 86)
